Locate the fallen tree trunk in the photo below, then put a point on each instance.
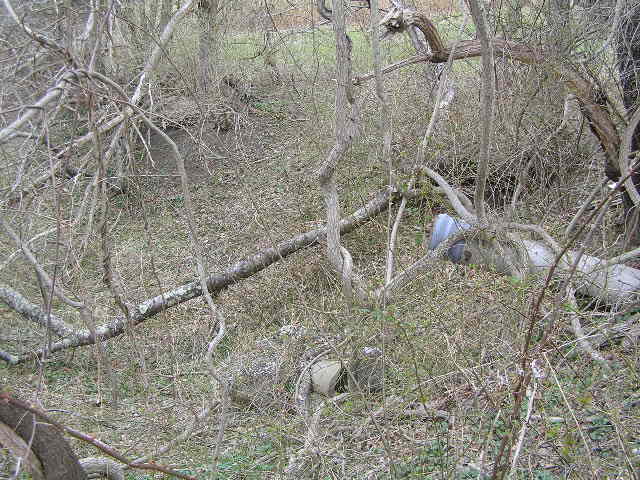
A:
(613, 284)
(215, 283)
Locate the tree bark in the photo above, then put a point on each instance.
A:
(207, 12)
(58, 460)
(628, 53)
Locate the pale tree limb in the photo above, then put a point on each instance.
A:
(488, 92)
(20, 304)
(217, 282)
(56, 91)
(98, 37)
(346, 128)
(452, 194)
(615, 26)
(201, 261)
(110, 276)
(391, 243)
(11, 256)
(464, 200)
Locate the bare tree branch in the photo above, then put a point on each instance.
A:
(38, 37)
(218, 282)
(346, 128)
(488, 89)
(16, 301)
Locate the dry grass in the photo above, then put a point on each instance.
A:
(451, 341)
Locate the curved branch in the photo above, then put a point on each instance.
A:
(466, 49)
(452, 194)
(324, 12)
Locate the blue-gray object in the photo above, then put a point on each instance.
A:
(443, 227)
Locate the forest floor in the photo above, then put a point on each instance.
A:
(450, 341)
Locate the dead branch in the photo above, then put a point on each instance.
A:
(24, 307)
(452, 194)
(216, 283)
(466, 49)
